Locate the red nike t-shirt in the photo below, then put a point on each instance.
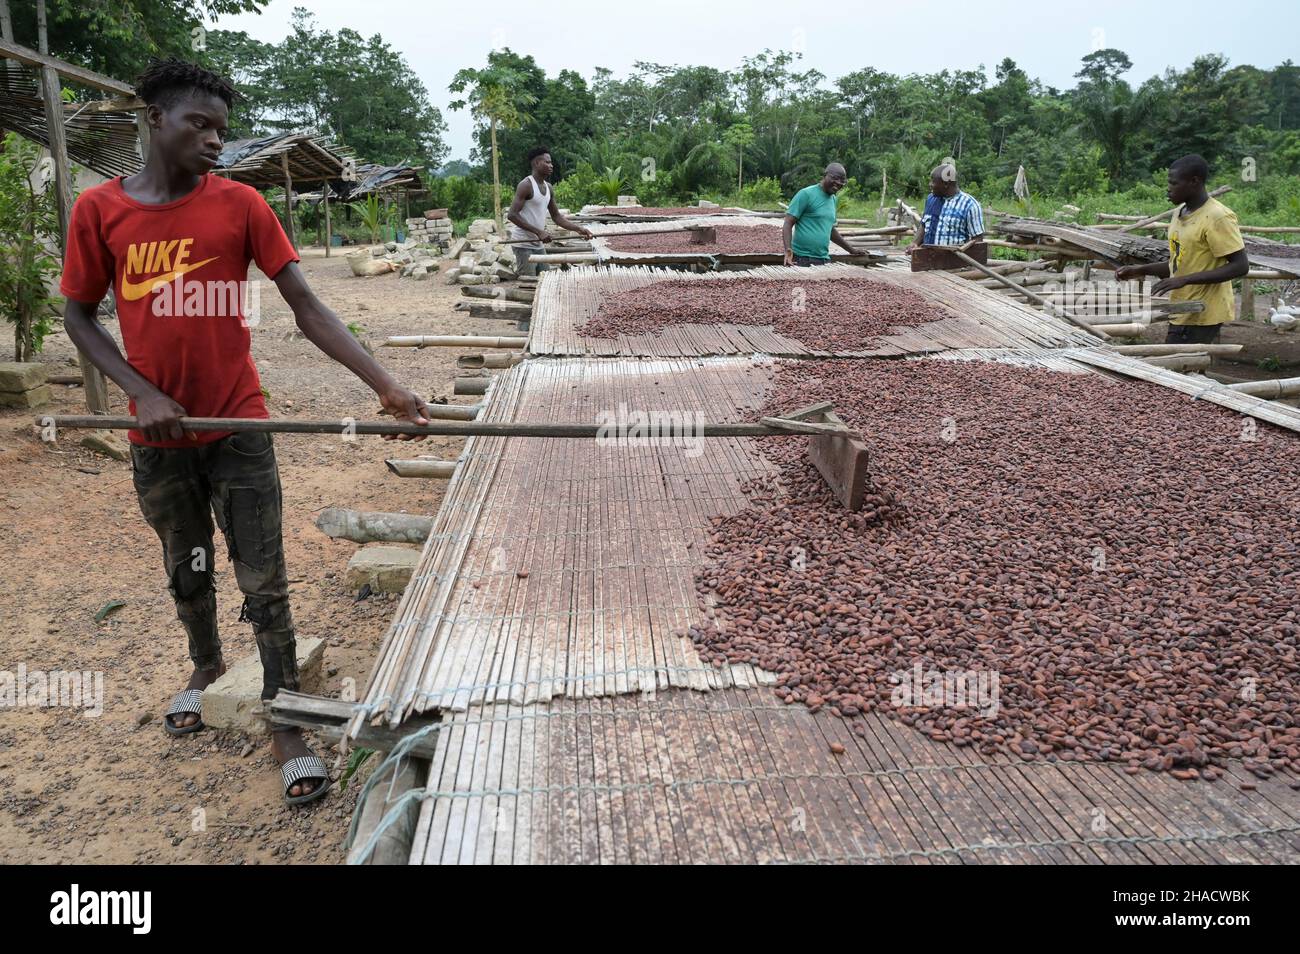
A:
(179, 272)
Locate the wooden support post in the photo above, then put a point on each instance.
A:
(1247, 309)
(96, 386)
(329, 232)
(288, 198)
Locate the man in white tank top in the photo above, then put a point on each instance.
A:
(534, 200)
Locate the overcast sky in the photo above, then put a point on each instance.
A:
(1046, 38)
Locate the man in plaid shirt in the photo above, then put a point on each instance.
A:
(951, 217)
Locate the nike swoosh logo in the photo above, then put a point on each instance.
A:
(134, 291)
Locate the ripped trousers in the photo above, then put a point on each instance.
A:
(236, 478)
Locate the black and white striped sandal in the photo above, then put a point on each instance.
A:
(187, 701)
(304, 767)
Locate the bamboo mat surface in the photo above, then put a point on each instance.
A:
(981, 318)
(560, 567)
(733, 776)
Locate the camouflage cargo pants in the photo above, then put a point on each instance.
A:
(236, 479)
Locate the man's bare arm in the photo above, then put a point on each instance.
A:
(1151, 270)
(787, 236)
(563, 222)
(324, 329)
(839, 240)
(158, 415)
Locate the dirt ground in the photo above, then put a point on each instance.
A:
(115, 788)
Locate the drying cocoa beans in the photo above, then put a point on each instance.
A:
(680, 211)
(729, 240)
(1122, 558)
(836, 314)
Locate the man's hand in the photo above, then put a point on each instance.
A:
(404, 405)
(159, 417)
(1126, 272)
(585, 233)
(544, 237)
(788, 258)
(909, 250)
(1168, 284)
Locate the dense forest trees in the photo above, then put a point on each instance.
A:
(359, 90)
(674, 133)
(671, 133)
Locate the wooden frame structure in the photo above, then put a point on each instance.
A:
(50, 69)
(280, 160)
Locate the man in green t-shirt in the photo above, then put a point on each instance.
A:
(811, 217)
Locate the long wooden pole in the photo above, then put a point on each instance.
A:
(1001, 279)
(329, 231)
(1144, 350)
(1271, 388)
(444, 469)
(769, 426)
(453, 341)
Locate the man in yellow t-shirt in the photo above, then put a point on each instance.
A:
(1205, 254)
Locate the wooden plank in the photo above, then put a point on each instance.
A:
(288, 199)
(29, 57)
(842, 462)
(96, 386)
(329, 230)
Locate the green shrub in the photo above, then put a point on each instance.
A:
(579, 188)
(29, 258)
(759, 194)
(1084, 174)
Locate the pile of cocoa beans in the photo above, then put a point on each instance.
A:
(1123, 558)
(656, 211)
(836, 314)
(731, 240)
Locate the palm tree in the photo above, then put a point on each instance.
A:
(1112, 114)
(496, 95)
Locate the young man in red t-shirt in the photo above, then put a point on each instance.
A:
(174, 243)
